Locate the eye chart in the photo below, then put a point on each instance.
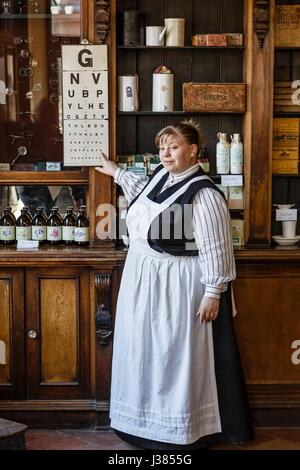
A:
(85, 104)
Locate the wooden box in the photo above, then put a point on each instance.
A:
(235, 39)
(214, 97)
(285, 138)
(289, 167)
(199, 40)
(286, 98)
(287, 26)
(216, 40)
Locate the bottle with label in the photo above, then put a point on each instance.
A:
(39, 226)
(223, 154)
(68, 230)
(54, 227)
(236, 155)
(23, 225)
(82, 228)
(7, 227)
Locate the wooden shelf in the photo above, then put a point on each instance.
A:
(180, 47)
(21, 16)
(286, 175)
(162, 113)
(80, 177)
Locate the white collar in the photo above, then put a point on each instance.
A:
(180, 176)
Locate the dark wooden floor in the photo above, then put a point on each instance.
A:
(266, 439)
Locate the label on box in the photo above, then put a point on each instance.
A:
(286, 214)
(27, 244)
(232, 180)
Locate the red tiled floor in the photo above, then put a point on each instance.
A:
(266, 439)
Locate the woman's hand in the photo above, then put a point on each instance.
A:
(108, 167)
(209, 309)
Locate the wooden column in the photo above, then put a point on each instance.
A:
(259, 69)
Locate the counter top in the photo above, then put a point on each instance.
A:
(89, 256)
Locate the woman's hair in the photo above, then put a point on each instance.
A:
(189, 130)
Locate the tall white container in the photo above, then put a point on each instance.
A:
(174, 31)
(163, 89)
(128, 93)
(223, 154)
(236, 155)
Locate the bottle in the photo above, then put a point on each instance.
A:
(82, 228)
(27, 212)
(7, 227)
(54, 226)
(39, 226)
(223, 154)
(68, 230)
(236, 155)
(23, 225)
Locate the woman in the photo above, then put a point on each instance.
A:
(177, 381)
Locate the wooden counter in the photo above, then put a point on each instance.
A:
(58, 304)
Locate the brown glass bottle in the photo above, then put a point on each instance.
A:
(68, 230)
(7, 227)
(27, 212)
(54, 227)
(39, 226)
(23, 226)
(82, 228)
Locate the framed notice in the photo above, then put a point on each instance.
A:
(85, 104)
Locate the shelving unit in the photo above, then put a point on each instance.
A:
(285, 188)
(135, 131)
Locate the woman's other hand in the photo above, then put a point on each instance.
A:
(209, 309)
(108, 167)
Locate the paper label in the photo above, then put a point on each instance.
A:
(23, 233)
(54, 233)
(68, 233)
(286, 214)
(39, 232)
(7, 233)
(232, 180)
(81, 234)
(27, 244)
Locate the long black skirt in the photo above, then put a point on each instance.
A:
(232, 396)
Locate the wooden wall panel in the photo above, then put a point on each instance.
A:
(267, 324)
(5, 330)
(59, 318)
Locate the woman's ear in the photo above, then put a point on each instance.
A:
(194, 150)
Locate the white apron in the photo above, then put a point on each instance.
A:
(163, 376)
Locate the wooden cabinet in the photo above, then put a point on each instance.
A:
(46, 331)
(56, 322)
(57, 333)
(12, 373)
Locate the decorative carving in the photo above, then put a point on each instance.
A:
(103, 316)
(261, 19)
(102, 21)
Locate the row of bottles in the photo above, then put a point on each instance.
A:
(229, 157)
(53, 229)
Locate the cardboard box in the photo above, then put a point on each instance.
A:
(287, 26)
(285, 139)
(214, 97)
(289, 167)
(235, 39)
(236, 197)
(237, 232)
(199, 40)
(216, 40)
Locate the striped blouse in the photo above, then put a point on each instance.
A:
(211, 228)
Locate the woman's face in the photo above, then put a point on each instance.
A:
(176, 154)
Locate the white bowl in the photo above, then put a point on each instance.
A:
(286, 241)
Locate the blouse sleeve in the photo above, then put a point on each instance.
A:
(213, 237)
(131, 183)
